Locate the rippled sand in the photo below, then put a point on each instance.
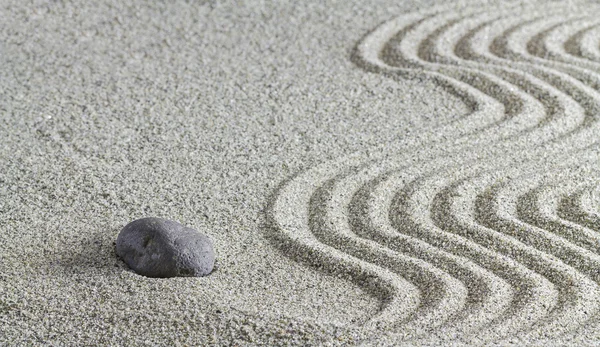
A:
(376, 174)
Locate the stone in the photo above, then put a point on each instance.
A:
(156, 247)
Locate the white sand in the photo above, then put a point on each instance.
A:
(390, 173)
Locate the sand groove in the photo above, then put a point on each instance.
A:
(581, 208)
(487, 223)
(584, 44)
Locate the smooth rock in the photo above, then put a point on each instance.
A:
(156, 247)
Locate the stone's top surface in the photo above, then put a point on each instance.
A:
(156, 247)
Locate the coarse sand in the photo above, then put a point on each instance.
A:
(374, 173)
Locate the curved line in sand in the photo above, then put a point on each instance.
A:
(582, 208)
(585, 44)
(471, 236)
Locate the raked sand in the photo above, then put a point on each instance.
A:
(383, 173)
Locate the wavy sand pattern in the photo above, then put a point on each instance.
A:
(494, 232)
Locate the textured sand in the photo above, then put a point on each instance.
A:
(382, 173)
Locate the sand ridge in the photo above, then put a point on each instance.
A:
(469, 214)
(461, 235)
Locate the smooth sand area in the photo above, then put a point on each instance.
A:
(372, 173)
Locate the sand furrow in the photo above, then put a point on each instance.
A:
(545, 84)
(468, 231)
(350, 191)
(579, 296)
(517, 43)
(501, 205)
(516, 46)
(581, 208)
(487, 110)
(550, 44)
(437, 171)
(288, 221)
(523, 110)
(441, 294)
(585, 44)
(417, 223)
(535, 294)
(539, 207)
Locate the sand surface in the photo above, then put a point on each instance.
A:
(371, 173)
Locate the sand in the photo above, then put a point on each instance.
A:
(390, 173)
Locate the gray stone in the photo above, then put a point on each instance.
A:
(156, 247)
